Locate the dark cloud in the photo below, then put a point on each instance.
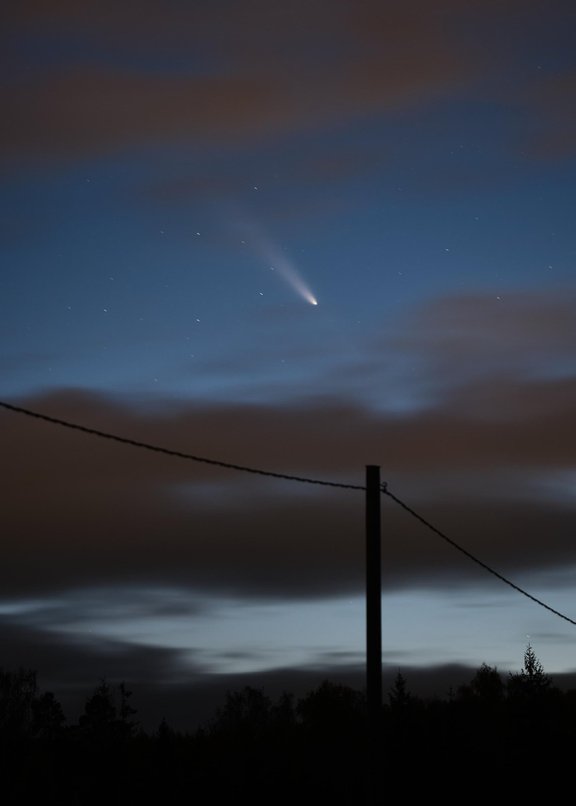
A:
(84, 511)
(91, 79)
(496, 352)
(517, 323)
(69, 662)
(554, 97)
(72, 668)
(163, 683)
(110, 80)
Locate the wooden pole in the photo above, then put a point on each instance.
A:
(373, 597)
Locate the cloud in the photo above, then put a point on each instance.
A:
(92, 80)
(82, 511)
(554, 99)
(516, 323)
(162, 682)
(486, 351)
(69, 662)
(102, 81)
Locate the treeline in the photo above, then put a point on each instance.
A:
(495, 734)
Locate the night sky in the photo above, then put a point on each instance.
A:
(182, 182)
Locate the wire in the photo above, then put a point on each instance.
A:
(137, 444)
(414, 514)
(383, 487)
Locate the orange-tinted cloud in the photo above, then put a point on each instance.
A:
(250, 70)
(103, 78)
(554, 99)
(80, 510)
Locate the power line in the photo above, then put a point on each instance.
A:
(169, 452)
(471, 556)
(286, 477)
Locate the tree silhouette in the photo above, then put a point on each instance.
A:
(532, 681)
(399, 696)
(17, 694)
(47, 717)
(486, 686)
(262, 750)
(246, 712)
(536, 715)
(331, 706)
(105, 720)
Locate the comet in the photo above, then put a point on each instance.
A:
(277, 261)
(289, 273)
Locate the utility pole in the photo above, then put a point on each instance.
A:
(373, 598)
(373, 633)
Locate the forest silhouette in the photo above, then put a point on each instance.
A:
(493, 735)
